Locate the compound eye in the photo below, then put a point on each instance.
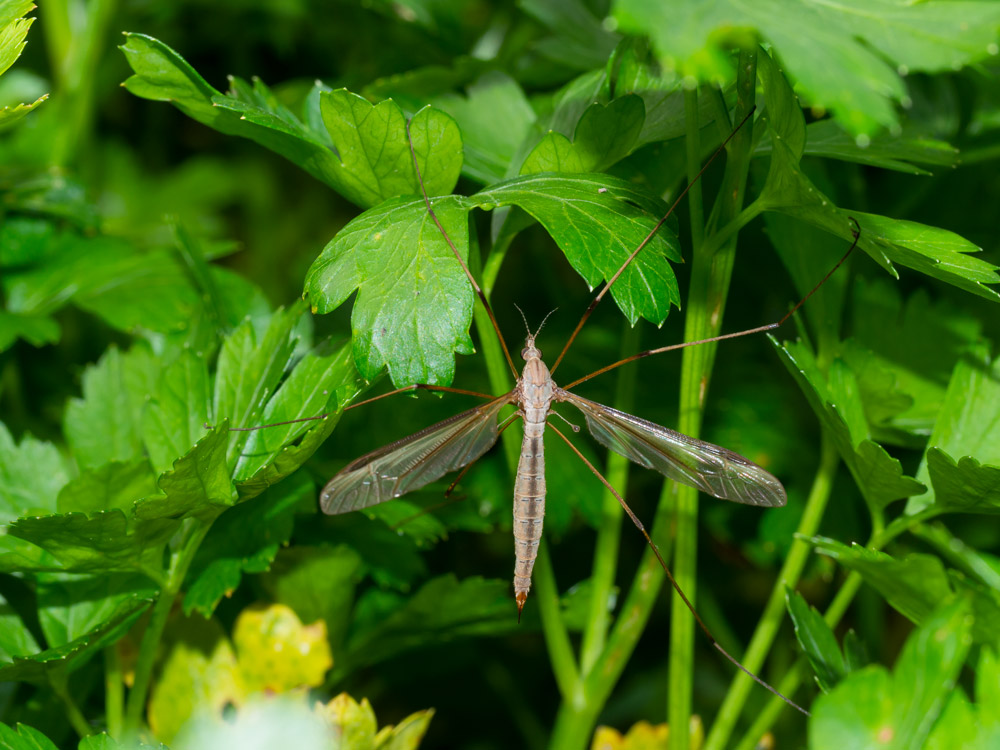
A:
(524, 353)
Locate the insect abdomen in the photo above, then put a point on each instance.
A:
(529, 507)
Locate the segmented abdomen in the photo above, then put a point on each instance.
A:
(529, 504)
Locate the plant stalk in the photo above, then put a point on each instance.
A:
(58, 680)
(180, 561)
(605, 565)
(710, 278)
(114, 692)
(774, 611)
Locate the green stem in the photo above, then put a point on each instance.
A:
(575, 722)
(59, 682)
(180, 561)
(75, 54)
(605, 565)
(774, 611)
(710, 277)
(790, 683)
(556, 636)
(692, 147)
(114, 692)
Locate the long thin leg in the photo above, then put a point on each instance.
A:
(620, 271)
(448, 500)
(760, 329)
(659, 557)
(468, 273)
(414, 387)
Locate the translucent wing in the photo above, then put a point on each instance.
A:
(701, 465)
(414, 461)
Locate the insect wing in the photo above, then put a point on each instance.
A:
(414, 461)
(706, 467)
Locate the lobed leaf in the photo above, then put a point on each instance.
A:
(817, 641)
(374, 146)
(443, 609)
(870, 42)
(319, 384)
(105, 425)
(116, 485)
(604, 135)
(69, 656)
(70, 606)
(965, 427)
(872, 708)
(24, 738)
(244, 539)
(916, 585)
(174, 421)
(104, 541)
(198, 486)
(247, 373)
(414, 303)
(31, 475)
(494, 117)
(37, 330)
(879, 476)
(598, 221)
(318, 583)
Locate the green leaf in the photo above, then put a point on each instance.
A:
(70, 606)
(163, 75)
(375, 151)
(936, 252)
(198, 486)
(244, 539)
(320, 384)
(247, 373)
(102, 541)
(966, 422)
(817, 640)
(37, 330)
(903, 355)
(11, 10)
(24, 738)
(879, 476)
(15, 638)
(965, 486)
(914, 585)
(175, 419)
(869, 43)
(494, 118)
(105, 425)
(31, 475)
(870, 708)
(901, 153)
(414, 304)
(604, 135)
(578, 38)
(442, 610)
(13, 31)
(318, 583)
(77, 652)
(408, 733)
(971, 409)
(115, 485)
(598, 221)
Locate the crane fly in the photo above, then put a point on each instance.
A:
(455, 443)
